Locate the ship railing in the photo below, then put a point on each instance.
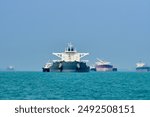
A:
(85, 61)
(56, 60)
(69, 61)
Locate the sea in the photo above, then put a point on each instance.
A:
(74, 86)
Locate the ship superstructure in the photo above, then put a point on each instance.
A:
(70, 61)
(70, 54)
(142, 67)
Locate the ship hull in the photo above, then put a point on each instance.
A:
(46, 69)
(104, 68)
(69, 67)
(93, 69)
(143, 69)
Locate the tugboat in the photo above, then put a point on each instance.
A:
(92, 68)
(70, 61)
(142, 67)
(46, 67)
(104, 66)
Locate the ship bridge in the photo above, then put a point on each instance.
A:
(70, 54)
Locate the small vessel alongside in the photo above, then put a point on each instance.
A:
(92, 68)
(46, 67)
(70, 61)
(104, 66)
(142, 67)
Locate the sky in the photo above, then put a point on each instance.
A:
(114, 30)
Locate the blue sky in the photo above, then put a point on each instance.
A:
(114, 30)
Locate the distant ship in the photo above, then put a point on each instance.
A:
(142, 67)
(104, 66)
(10, 68)
(70, 61)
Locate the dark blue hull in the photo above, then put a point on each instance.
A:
(68, 67)
(142, 69)
(46, 69)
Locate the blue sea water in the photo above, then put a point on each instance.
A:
(74, 86)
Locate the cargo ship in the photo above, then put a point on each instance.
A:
(104, 66)
(70, 61)
(142, 67)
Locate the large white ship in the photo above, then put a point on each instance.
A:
(104, 66)
(70, 61)
(142, 67)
